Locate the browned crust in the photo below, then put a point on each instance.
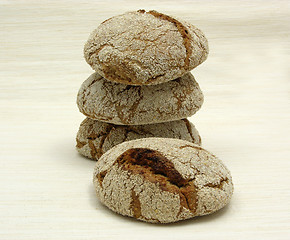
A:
(132, 109)
(94, 151)
(219, 186)
(80, 144)
(135, 205)
(190, 146)
(101, 176)
(181, 29)
(107, 20)
(84, 99)
(117, 70)
(150, 80)
(188, 126)
(136, 104)
(108, 132)
(156, 168)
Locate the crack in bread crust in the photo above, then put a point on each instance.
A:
(97, 152)
(80, 144)
(156, 168)
(189, 129)
(190, 146)
(93, 149)
(183, 32)
(101, 176)
(104, 137)
(219, 186)
(135, 205)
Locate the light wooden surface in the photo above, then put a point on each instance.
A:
(46, 188)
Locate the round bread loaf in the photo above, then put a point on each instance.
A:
(145, 48)
(95, 138)
(122, 104)
(162, 180)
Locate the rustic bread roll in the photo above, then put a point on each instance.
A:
(95, 138)
(162, 180)
(145, 48)
(122, 104)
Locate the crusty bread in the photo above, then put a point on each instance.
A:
(162, 180)
(122, 104)
(145, 48)
(95, 138)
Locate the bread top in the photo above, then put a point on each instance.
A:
(145, 48)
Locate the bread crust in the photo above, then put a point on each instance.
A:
(94, 137)
(145, 48)
(162, 180)
(122, 104)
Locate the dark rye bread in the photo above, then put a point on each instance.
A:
(145, 48)
(94, 137)
(162, 180)
(122, 104)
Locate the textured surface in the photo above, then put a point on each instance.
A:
(145, 48)
(95, 138)
(46, 189)
(121, 104)
(162, 180)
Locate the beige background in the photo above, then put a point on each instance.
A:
(46, 188)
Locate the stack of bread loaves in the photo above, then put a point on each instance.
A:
(150, 163)
(142, 86)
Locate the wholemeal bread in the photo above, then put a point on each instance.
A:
(95, 138)
(162, 180)
(122, 104)
(145, 48)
